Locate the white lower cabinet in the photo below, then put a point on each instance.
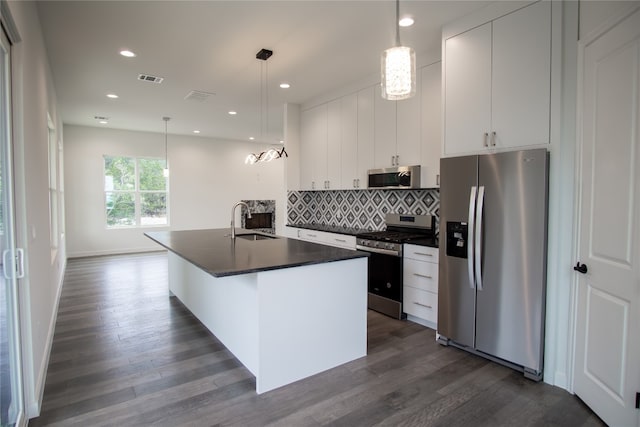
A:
(420, 280)
(332, 239)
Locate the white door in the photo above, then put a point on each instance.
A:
(607, 352)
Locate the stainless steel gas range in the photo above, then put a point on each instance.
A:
(385, 262)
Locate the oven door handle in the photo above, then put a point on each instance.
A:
(379, 251)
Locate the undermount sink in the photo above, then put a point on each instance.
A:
(254, 236)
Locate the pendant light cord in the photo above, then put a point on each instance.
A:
(397, 23)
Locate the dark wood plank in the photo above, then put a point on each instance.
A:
(125, 354)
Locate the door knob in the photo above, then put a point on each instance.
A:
(580, 268)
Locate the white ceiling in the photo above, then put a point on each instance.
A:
(210, 46)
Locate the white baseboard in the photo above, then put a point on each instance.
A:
(33, 406)
(84, 254)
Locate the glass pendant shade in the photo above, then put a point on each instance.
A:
(398, 73)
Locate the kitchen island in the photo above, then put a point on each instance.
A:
(287, 309)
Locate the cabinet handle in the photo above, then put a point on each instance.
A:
(312, 235)
(354, 184)
(422, 275)
(313, 185)
(422, 305)
(393, 160)
(438, 179)
(340, 240)
(423, 254)
(486, 136)
(398, 160)
(358, 180)
(493, 139)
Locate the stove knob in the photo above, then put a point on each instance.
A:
(376, 244)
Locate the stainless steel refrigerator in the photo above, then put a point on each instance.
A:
(493, 248)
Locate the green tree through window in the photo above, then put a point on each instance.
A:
(135, 192)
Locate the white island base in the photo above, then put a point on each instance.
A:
(284, 324)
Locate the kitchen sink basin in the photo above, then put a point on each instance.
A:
(254, 236)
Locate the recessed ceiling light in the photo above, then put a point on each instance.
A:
(196, 131)
(285, 85)
(127, 53)
(103, 122)
(251, 138)
(233, 113)
(112, 95)
(281, 142)
(406, 22)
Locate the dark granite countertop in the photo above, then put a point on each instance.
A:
(330, 228)
(427, 241)
(213, 251)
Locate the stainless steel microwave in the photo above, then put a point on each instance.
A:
(398, 177)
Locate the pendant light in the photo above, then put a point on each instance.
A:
(165, 171)
(271, 153)
(398, 68)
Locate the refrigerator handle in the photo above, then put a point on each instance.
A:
(472, 219)
(478, 237)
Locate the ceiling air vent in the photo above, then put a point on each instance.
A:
(198, 95)
(149, 78)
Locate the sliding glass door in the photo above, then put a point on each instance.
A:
(11, 264)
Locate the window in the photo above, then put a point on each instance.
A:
(135, 191)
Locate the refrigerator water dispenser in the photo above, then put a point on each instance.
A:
(457, 239)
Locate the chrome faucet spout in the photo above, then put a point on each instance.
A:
(233, 217)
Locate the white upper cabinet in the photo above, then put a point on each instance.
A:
(497, 81)
(408, 128)
(522, 77)
(349, 146)
(467, 80)
(384, 131)
(313, 148)
(365, 136)
(334, 142)
(431, 124)
(396, 130)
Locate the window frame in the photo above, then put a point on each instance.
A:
(136, 191)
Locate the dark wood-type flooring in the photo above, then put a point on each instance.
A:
(125, 354)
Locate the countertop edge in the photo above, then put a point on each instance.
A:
(348, 255)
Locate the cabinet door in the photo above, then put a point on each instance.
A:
(349, 147)
(522, 77)
(306, 150)
(408, 128)
(365, 135)
(318, 139)
(334, 142)
(467, 90)
(431, 124)
(384, 130)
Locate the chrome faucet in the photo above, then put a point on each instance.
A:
(233, 217)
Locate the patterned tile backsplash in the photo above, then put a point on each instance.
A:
(361, 209)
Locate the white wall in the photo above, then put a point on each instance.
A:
(33, 98)
(206, 178)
